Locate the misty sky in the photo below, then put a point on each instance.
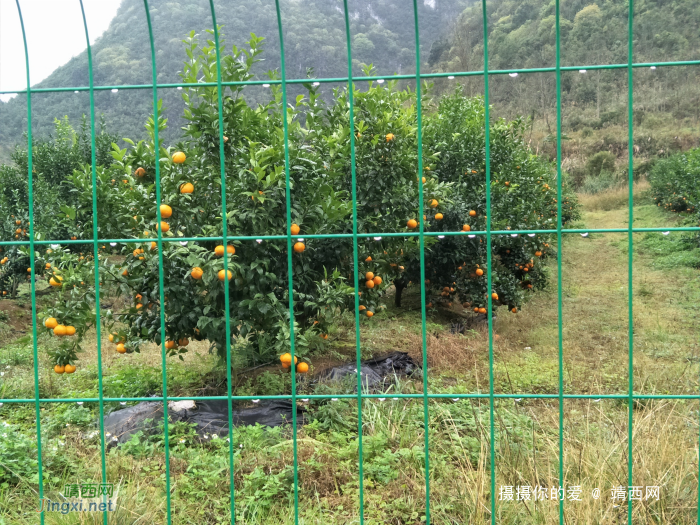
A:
(55, 34)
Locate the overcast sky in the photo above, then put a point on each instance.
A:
(55, 34)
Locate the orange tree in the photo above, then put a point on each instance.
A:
(386, 158)
(387, 188)
(523, 197)
(54, 160)
(190, 180)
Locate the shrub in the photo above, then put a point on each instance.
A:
(674, 182)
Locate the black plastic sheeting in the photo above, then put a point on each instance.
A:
(211, 416)
(376, 373)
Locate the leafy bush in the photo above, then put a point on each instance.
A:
(674, 182)
(603, 161)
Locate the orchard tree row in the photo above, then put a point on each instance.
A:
(523, 197)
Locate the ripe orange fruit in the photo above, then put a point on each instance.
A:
(479, 272)
(369, 284)
(438, 216)
(121, 348)
(389, 137)
(286, 358)
(225, 139)
(369, 276)
(18, 222)
(302, 368)
(139, 306)
(164, 226)
(299, 247)
(29, 270)
(287, 365)
(466, 228)
(472, 213)
(166, 211)
(370, 313)
(51, 323)
(70, 330)
(362, 307)
(183, 342)
(197, 273)
(482, 310)
(377, 280)
(514, 309)
(111, 338)
(494, 296)
(324, 336)
(170, 345)
(59, 369)
(433, 203)
(140, 172)
(125, 273)
(412, 224)
(219, 250)
(69, 369)
(179, 157)
(507, 183)
(295, 229)
(538, 253)
(476, 309)
(221, 275)
(187, 187)
(59, 330)
(154, 245)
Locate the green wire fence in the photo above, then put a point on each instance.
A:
(421, 234)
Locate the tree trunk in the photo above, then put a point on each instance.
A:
(400, 285)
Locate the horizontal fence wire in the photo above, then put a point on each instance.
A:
(137, 240)
(630, 396)
(267, 83)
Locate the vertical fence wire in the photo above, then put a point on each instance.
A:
(356, 265)
(161, 278)
(630, 251)
(30, 193)
(560, 299)
(290, 263)
(226, 281)
(487, 172)
(424, 297)
(96, 252)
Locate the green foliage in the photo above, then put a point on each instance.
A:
(674, 182)
(18, 453)
(603, 161)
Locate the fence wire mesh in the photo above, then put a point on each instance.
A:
(488, 234)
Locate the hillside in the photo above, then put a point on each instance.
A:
(314, 33)
(594, 102)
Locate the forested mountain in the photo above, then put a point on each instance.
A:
(314, 37)
(520, 33)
